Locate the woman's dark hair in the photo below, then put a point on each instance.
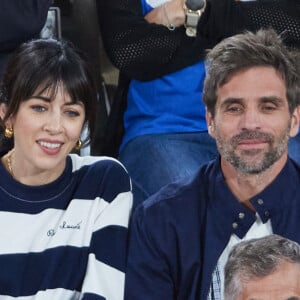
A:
(44, 64)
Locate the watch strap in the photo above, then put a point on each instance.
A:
(193, 11)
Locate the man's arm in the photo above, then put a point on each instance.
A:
(148, 271)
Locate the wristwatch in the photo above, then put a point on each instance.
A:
(193, 11)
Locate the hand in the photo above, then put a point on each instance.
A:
(175, 12)
(170, 12)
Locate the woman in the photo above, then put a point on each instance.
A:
(63, 218)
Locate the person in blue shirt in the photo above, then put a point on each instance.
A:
(165, 133)
(181, 236)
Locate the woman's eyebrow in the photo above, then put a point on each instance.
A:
(74, 103)
(47, 99)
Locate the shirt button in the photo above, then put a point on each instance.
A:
(260, 201)
(235, 225)
(241, 215)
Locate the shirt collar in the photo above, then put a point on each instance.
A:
(234, 217)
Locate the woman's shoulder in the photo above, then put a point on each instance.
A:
(104, 176)
(104, 168)
(99, 162)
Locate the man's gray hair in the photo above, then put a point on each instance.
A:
(257, 258)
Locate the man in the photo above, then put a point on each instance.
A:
(182, 235)
(265, 268)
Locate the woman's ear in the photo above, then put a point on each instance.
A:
(3, 110)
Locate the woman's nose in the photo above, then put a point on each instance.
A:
(53, 123)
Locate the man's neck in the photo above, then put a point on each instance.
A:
(245, 186)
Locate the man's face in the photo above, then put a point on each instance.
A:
(283, 284)
(252, 122)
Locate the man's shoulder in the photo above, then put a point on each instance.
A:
(185, 193)
(178, 210)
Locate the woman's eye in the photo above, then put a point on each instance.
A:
(72, 113)
(38, 108)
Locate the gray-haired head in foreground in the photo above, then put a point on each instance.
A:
(243, 51)
(257, 258)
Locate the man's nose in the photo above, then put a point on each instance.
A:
(251, 119)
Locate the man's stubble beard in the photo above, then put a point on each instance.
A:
(255, 166)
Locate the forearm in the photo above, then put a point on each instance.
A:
(144, 49)
(140, 49)
(171, 12)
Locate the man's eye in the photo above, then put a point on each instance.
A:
(269, 108)
(234, 109)
(38, 108)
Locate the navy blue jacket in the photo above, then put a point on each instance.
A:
(179, 233)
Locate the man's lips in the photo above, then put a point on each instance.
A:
(251, 144)
(251, 139)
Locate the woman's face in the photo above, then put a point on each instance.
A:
(45, 132)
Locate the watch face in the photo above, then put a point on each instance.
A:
(194, 4)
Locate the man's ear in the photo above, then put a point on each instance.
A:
(210, 123)
(295, 122)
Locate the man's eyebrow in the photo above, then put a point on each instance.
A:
(265, 99)
(273, 99)
(230, 100)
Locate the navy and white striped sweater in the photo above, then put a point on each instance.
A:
(67, 239)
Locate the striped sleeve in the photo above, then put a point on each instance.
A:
(105, 274)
